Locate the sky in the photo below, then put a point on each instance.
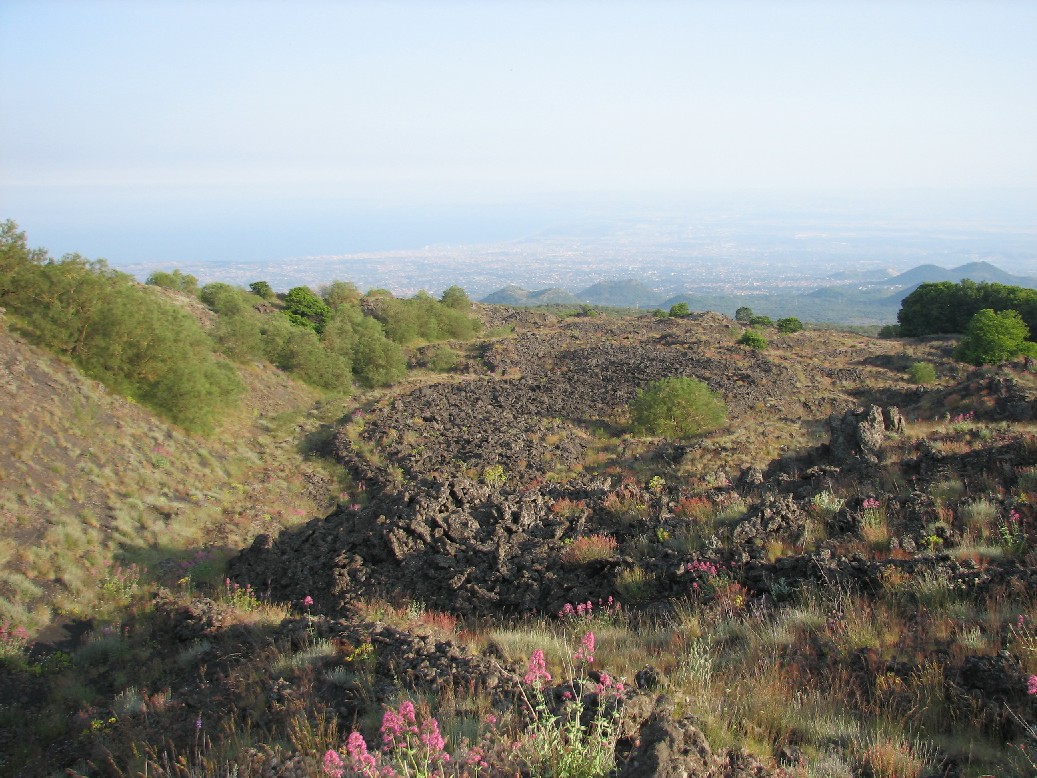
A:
(177, 131)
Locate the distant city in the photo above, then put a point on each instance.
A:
(714, 258)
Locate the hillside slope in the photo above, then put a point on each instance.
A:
(837, 581)
(93, 484)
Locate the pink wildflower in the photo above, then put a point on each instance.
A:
(537, 670)
(307, 601)
(490, 719)
(433, 740)
(407, 712)
(1031, 685)
(392, 727)
(585, 653)
(360, 760)
(333, 763)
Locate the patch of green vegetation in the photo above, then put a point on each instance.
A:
(677, 408)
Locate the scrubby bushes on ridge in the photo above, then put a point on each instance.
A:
(135, 342)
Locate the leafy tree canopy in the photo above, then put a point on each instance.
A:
(457, 298)
(677, 408)
(305, 309)
(262, 289)
(339, 294)
(744, 314)
(946, 307)
(789, 325)
(993, 337)
(679, 309)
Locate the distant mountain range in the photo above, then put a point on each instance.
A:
(977, 271)
(867, 298)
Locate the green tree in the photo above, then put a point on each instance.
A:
(339, 294)
(679, 309)
(457, 298)
(753, 340)
(262, 289)
(761, 321)
(677, 408)
(789, 325)
(946, 307)
(305, 309)
(744, 314)
(993, 337)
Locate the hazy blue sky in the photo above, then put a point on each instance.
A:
(171, 130)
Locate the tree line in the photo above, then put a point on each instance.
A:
(997, 320)
(147, 347)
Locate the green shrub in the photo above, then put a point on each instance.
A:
(441, 359)
(181, 282)
(340, 294)
(921, 373)
(993, 337)
(298, 350)
(761, 321)
(889, 331)
(679, 309)
(239, 337)
(423, 318)
(377, 361)
(789, 325)
(753, 340)
(225, 299)
(677, 408)
(262, 289)
(744, 314)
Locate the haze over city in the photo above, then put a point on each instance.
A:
(540, 143)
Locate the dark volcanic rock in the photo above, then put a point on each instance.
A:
(857, 436)
(458, 546)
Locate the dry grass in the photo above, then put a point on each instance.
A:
(807, 666)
